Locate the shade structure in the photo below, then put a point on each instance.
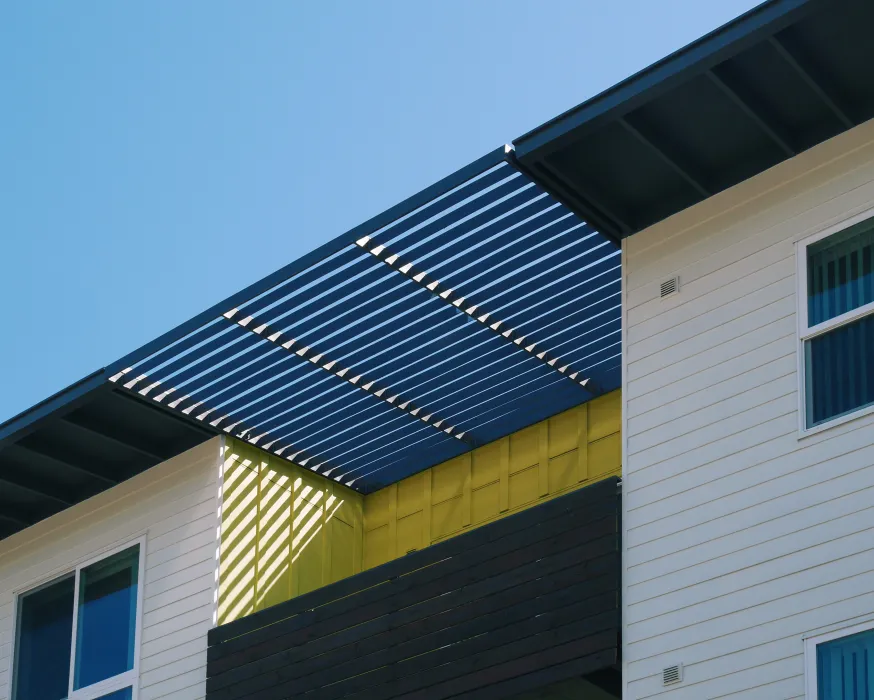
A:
(477, 308)
(470, 310)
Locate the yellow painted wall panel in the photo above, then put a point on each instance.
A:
(342, 550)
(605, 415)
(485, 503)
(568, 451)
(524, 448)
(238, 542)
(308, 549)
(603, 455)
(287, 531)
(273, 576)
(562, 471)
(410, 495)
(446, 518)
(562, 433)
(376, 509)
(376, 547)
(277, 532)
(486, 465)
(524, 486)
(447, 479)
(409, 533)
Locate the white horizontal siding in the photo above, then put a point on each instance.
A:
(741, 538)
(174, 505)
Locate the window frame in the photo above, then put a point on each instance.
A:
(806, 332)
(121, 681)
(811, 680)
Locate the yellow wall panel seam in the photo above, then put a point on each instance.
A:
(393, 521)
(543, 467)
(326, 535)
(504, 471)
(583, 443)
(426, 509)
(466, 490)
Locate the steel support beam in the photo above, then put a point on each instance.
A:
(746, 105)
(671, 162)
(49, 454)
(819, 87)
(31, 486)
(100, 434)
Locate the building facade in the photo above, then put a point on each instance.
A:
(746, 531)
(590, 418)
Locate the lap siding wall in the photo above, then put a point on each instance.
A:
(742, 537)
(174, 505)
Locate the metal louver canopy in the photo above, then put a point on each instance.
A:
(481, 306)
(471, 310)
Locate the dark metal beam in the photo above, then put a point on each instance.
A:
(33, 486)
(591, 209)
(64, 461)
(747, 105)
(806, 73)
(16, 516)
(101, 434)
(611, 228)
(476, 312)
(671, 162)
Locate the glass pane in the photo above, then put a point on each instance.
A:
(123, 694)
(44, 638)
(840, 273)
(107, 618)
(840, 373)
(845, 668)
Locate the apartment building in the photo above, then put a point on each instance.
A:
(738, 174)
(589, 418)
(390, 469)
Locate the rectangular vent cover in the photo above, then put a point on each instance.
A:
(672, 674)
(670, 287)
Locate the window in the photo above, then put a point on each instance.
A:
(840, 665)
(76, 636)
(836, 271)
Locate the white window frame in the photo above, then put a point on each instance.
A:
(110, 685)
(811, 681)
(807, 332)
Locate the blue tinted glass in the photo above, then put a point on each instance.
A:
(845, 668)
(840, 273)
(840, 371)
(123, 694)
(107, 618)
(45, 633)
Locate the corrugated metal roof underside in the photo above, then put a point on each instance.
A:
(779, 80)
(479, 312)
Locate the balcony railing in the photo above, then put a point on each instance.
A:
(514, 605)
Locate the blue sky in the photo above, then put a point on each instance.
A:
(156, 157)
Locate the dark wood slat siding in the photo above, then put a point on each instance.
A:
(527, 600)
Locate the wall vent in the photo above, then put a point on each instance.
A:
(670, 287)
(672, 674)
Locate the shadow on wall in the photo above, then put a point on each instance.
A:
(285, 531)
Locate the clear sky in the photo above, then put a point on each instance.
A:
(156, 157)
